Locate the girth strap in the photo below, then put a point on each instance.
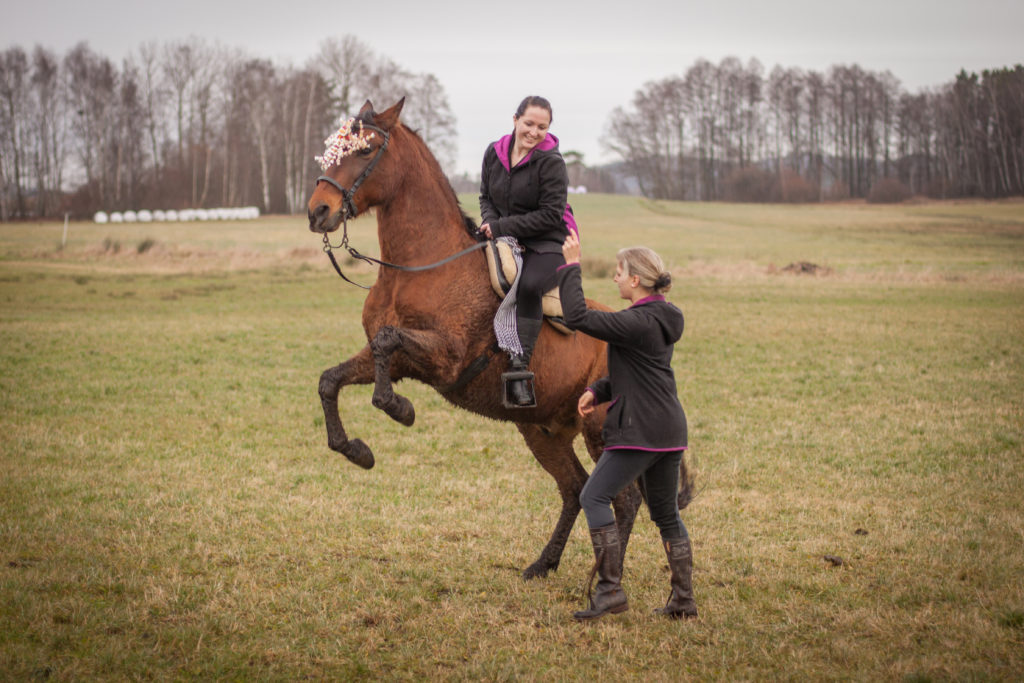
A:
(478, 365)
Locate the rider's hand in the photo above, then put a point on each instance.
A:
(486, 229)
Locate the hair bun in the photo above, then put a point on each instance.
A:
(663, 282)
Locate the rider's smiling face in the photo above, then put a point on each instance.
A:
(531, 127)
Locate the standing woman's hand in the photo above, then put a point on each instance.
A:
(571, 249)
(585, 406)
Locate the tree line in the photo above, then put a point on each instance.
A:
(188, 124)
(728, 131)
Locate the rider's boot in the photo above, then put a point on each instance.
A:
(519, 389)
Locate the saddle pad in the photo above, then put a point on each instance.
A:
(502, 268)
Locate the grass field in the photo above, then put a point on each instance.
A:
(169, 508)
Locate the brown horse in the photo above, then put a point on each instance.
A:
(432, 324)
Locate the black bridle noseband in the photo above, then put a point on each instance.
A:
(348, 210)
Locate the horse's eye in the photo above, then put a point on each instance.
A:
(365, 152)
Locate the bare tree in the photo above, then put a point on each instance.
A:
(428, 111)
(153, 96)
(259, 82)
(180, 65)
(49, 119)
(14, 77)
(700, 84)
(815, 94)
(642, 137)
(92, 83)
(192, 73)
(345, 65)
(305, 115)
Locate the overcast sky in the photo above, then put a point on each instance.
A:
(585, 57)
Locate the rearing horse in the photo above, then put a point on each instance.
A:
(432, 324)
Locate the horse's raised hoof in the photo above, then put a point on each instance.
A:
(400, 409)
(359, 453)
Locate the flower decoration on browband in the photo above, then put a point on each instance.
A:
(343, 142)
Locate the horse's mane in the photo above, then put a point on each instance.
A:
(435, 168)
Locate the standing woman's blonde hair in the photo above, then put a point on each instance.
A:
(648, 266)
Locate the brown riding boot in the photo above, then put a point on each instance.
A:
(609, 597)
(680, 603)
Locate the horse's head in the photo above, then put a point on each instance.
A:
(355, 159)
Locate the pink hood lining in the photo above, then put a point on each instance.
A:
(502, 148)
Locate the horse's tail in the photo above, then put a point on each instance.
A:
(687, 480)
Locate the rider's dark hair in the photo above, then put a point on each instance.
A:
(534, 101)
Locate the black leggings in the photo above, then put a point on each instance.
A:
(658, 476)
(538, 276)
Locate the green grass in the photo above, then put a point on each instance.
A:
(169, 508)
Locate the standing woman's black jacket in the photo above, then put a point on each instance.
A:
(527, 202)
(645, 413)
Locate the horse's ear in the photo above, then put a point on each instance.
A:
(389, 119)
(367, 109)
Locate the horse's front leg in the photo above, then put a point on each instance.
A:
(385, 343)
(423, 354)
(356, 370)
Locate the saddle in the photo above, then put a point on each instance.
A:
(502, 268)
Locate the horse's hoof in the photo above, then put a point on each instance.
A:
(405, 413)
(537, 570)
(399, 409)
(359, 453)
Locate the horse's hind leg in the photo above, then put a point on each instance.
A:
(554, 452)
(356, 370)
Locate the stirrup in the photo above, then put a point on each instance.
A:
(516, 376)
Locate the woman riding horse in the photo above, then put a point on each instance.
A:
(523, 189)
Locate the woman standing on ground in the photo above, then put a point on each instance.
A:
(523, 190)
(645, 429)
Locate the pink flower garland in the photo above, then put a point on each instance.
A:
(343, 143)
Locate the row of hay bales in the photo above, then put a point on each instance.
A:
(244, 213)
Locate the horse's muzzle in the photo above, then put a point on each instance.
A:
(322, 220)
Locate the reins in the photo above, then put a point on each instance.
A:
(348, 210)
(328, 248)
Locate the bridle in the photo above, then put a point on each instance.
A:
(348, 207)
(348, 210)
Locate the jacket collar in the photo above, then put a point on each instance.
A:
(648, 299)
(504, 146)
